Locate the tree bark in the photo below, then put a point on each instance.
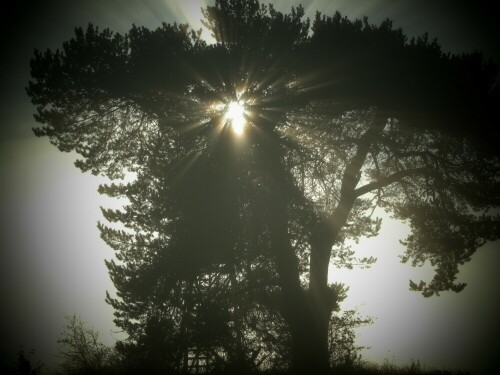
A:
(307, 313)
(293, 299)
(322, 299)
(308, 324)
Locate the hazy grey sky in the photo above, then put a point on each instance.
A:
(53, 259)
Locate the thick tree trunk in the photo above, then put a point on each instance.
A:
(310, 338)
(309, 346)
(322, 300)
(308, 312)
(306, 318)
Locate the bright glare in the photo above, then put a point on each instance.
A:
(235, 113)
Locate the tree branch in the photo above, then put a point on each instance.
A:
(327, 231)
(385, 181)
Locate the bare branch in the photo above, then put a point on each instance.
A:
(385, 181)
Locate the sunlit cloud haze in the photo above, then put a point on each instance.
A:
(53, 259)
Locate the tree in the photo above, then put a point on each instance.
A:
(344, 353)
(339, 122)
(81, 350)
(24, 365)
(211, 290)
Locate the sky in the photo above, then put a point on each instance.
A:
(51, 256)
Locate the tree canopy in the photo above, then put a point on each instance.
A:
(236, 233)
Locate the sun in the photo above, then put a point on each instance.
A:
(235, 114)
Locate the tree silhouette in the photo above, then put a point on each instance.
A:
(339, 122)
(24, 364)
(81, 351)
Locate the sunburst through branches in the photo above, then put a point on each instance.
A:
(235, 116)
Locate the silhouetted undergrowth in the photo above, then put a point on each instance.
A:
(24, 365)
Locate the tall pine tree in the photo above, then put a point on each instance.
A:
(339, 122)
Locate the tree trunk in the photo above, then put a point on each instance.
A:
(307, 321)
(308, 313)
(309, 338)
(322, 300)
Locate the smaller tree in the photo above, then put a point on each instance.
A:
(82, 352)
(24, 363)
(343, 351)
